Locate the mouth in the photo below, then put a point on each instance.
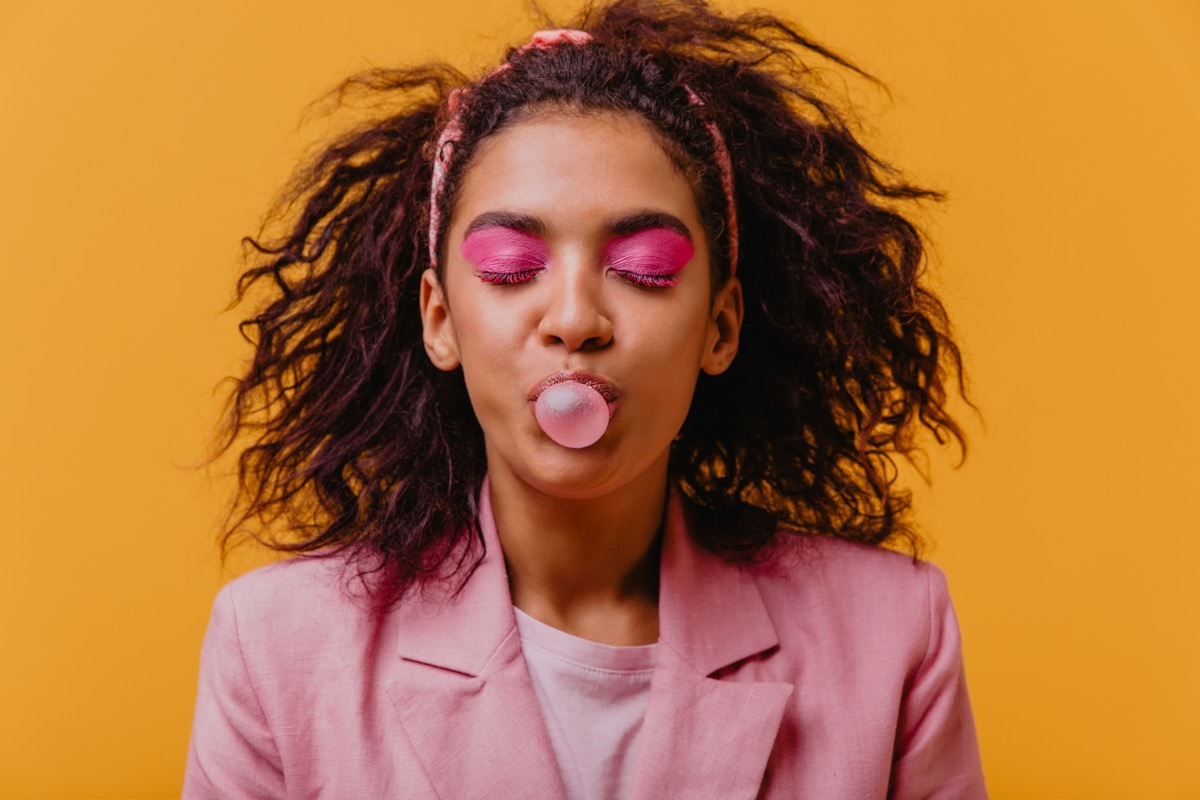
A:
(605, 389)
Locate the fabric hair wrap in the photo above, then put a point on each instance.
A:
(544, 40)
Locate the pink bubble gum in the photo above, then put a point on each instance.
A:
(573, 414)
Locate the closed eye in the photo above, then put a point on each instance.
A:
(642, 279)
(507, 277)
(504, 256)
(651, 257)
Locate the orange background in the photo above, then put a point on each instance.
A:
(140, 140)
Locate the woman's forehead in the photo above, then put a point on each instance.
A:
(571, 170)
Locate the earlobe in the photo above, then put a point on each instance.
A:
(441, 343)
(725, 329)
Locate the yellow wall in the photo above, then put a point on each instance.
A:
(140, 140)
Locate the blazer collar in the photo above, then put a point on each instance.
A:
(461, 689)
(704, 737)
(710, 611)
(461, 686)
(461, 631)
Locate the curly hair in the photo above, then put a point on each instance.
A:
(358, 443)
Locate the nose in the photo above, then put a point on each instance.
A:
(575, 316)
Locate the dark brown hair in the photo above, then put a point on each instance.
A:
(357, 442)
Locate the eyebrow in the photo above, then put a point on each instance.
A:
(625, 226)
(505, 219)
(648, 220)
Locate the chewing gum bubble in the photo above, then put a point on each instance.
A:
(573, 414)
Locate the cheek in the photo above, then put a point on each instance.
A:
(671, 345)
(481, 324)
(491, 347)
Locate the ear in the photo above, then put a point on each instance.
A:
(441, 342)
(724, 329)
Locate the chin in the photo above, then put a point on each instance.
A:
(578, 474)
(585, 474)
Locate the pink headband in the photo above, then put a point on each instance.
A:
(544, 40)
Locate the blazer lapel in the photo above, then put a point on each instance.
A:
(464, 698)
(704, 737)
(463, 693)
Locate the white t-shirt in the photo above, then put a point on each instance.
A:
(593, 697)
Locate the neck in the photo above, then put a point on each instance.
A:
(585, 566)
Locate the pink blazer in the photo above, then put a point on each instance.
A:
(834, 673)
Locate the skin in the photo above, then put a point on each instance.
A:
(577, 212)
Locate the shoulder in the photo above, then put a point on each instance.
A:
(298, 588)
(303, 581)
(307, 607)
(885, 600)
(870, 639)
(285, 672)
(845, 566)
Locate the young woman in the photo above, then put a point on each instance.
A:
(578, 386)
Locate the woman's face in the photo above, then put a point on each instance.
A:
(576, 246)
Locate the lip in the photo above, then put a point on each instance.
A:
(606, 389)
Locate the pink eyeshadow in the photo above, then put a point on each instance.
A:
(658, 252)
(500, 249)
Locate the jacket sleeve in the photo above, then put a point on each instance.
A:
(232, 752)
(937, 754)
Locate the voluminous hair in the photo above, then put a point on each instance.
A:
(351, 440)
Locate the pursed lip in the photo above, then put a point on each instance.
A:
(606, 389)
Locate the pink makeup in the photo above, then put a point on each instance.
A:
(505, 255)
(650, 257)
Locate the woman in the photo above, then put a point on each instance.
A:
(578, 387)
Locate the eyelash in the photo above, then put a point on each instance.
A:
(649, 281)
(525, 275)
(508, 278)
